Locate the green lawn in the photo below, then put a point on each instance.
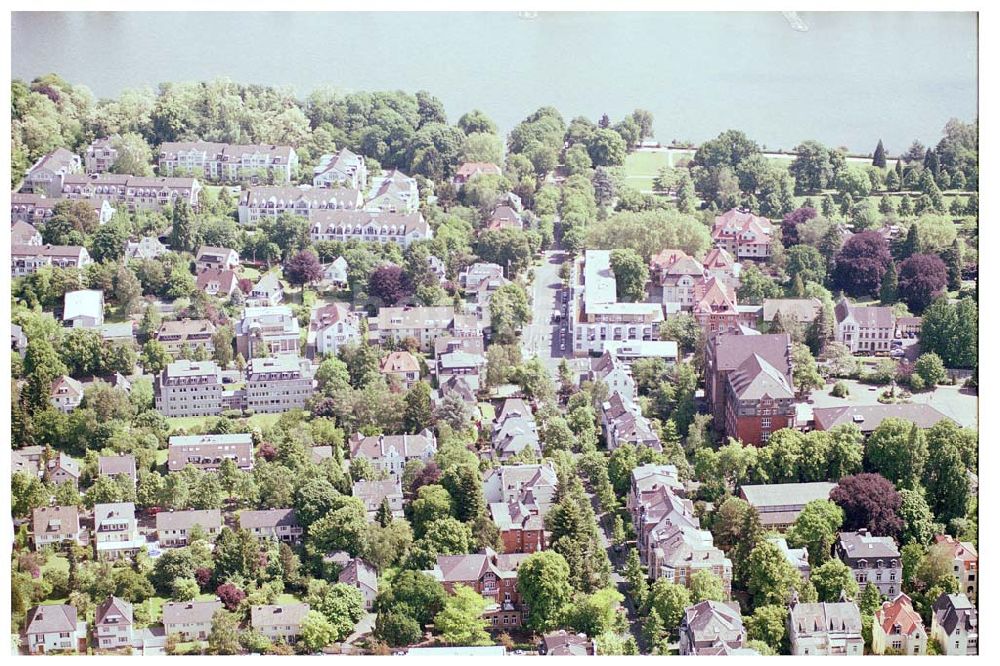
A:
(286, 598)
(55, 562)
(260, 421)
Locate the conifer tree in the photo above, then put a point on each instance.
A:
(879, 158)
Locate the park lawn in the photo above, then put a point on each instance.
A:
(646, 164)
(261, 421)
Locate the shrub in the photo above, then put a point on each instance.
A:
(840, 390)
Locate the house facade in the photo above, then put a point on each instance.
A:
(343, 169)
(825, 629)
(189, 388)
(390, 453)
(116, 532)
(332, 326)
(49, 173)
(864, 329)
(955, 625)
(279, 622)
(113, 626)
(54, 629)
(276, 524)
(191, 334)
(52, 525)
(228, 163)
(709, 625)
(401, 227)
(490, 574)
(964, 561)
(270, 202)
(173, 528)
(133, 192)
(874, 561)
(206, 452)
(27, 259)
(278, 384)
(189, 620)
(743, 234)
(100, 156)
(897, 627)
(268, 331)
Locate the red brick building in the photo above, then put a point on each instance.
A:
(522, 529)
(492, 575)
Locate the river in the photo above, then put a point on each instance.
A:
(849, 80)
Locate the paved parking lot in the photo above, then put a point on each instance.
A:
(960, 404)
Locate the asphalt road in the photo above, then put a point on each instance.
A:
(543, 338)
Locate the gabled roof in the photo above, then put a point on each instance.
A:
(867, 316)
(51, 619)
(955, 610)
(718, 259)
(268, 518)
(841, 617)
(399, 362)
(115, 465)
(358, 573)
(731, 350)
(115, 611)
(190, 612)
(869, 417)
(756, 378)
(899, 613)
(185, 520)
(224, 277)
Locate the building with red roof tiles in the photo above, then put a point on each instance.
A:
(965, 563)
(743, 234)
(898, 628)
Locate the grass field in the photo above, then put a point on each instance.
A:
(188, 422)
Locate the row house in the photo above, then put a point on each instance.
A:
(400, 366)
(53, 629)
(189, 620)
(218, 282)
(270, 202)
(48, 175)
(724, 354)
(279, 622)
(376, 493)
(600, 318)
(393, 192)
(22, 233)
(363, 577)
(114, 627)
(116, 531)
(229, 163)
(390, 453)
(189, 388)
(825, 629)
(147, 247)
(331, 327)
(469, 170)
(267, 292)
(52, 525)
(209, 256)
(743, 234)
(27, 259)
(955, 625)
(277, 524)
(189, 334)
(515, 430)
(759, 400)
(622, 423)
(344, 169)
(710, 628)
(964, 561)
(134, 192)
(779, 504)
(898, 627)
(873, 560)
(67, 394)
(490, 574)
(37, 208)
(174, 528)
(206, 452)
(278, 384)
(401, 228)
(101, 155)
(716, 310)
(268, 331)
(423, 324)
(864, 329)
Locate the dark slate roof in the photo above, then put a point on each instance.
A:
(868, 417)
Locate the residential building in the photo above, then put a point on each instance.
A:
(52, 525)
(519, 497)
(133, 192)
(825, 629)
(965, 563)
(797, 557)
(361, 575)
(67, 394)
(955, 625)
(116, 532)
(759, 400)
(724, 354)
(62, 469)
(678, 274)
(393, 192)
(645, 482)
(345, 169)
(27, 460)
(206, 452)
(522, 529)
(390, 453)
(742, 234)
(469, 170)
(55, 628)
(147, 247)
(83, 308)
(101, 155)
(173, 528)
(27, 259)
(374, 493)
(279, 622)
(504, 217)
(615, 374)
(468, 366)
(599, 317)
(218, 282)
(401, 366)
(515, 430)
(267, 292)
(709, 625)
(18, 340)
(113, 624)
(678, 552)
(622, 423)
(22, 233)
(658, 517)
(868, 417)
(345, 224)
(37, 208)
(331, 327)
(278, 384)
(631, 351)
(717, 310)
(189, 388)
(191, 334)
(216, 257)
(228, 163)
(564, 644)
(802, 311)
(779, 504)
(864, 329)
(492, 575)
(260, 202)
(423, 324)
(720, 264)
(476, 274)
(114, 466)
(335, 274)
(47, 175)
(898, 627)
(189, 620)
(269, 331)
(874, 560)
(276, 524)
(908, 327)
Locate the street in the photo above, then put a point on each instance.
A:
(543, 337)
